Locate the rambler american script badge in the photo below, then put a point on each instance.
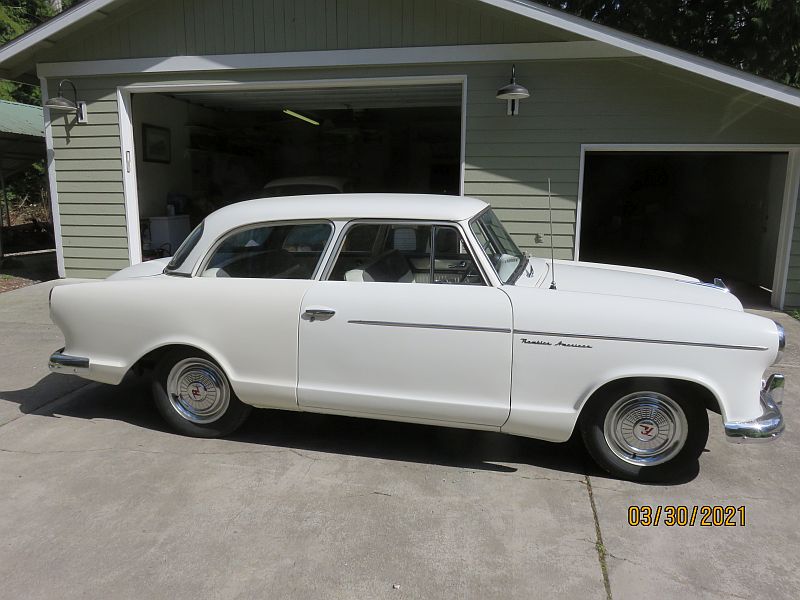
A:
(558, 343)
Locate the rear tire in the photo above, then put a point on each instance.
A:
(194, 396)
(647, 431)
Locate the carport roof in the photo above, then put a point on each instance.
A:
(22, 119)
(19, 54)
(21, 136)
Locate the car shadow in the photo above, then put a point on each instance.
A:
(130, 402)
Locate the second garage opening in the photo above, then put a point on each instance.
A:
(199, 151)
(706, 214)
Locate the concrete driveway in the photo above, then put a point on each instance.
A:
(98, 500)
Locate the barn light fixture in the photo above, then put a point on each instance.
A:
(60, 104)
(291, 113)
(513, 93)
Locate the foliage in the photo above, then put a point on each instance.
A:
(17, 17)
(26, 192)
(759, 36)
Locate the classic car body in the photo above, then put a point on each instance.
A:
(339, 316)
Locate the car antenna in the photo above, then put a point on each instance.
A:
(552, 249)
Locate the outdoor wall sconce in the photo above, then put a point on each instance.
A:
(60, 104)
(513, 93)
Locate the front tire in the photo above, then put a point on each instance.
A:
(645, 431)
(194, 396)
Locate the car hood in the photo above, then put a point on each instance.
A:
(631, 282)
(144, 269)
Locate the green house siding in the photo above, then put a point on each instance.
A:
(508, 159)
(201, 27)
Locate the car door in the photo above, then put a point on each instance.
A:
(376, 340)
(243, 306)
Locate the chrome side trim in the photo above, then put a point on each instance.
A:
(640, 340)
(59, 361)
(781, 342)
(769, 425)
(717, 284)
(430, 326)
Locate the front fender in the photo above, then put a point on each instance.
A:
(567, 345)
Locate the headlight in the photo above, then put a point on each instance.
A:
(781, 342)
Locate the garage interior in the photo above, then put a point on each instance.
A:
(199, 151)
(705, 214)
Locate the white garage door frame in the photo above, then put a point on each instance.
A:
(790, 195)
(127, 145)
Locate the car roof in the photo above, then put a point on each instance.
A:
(333, 207)
(428, 207)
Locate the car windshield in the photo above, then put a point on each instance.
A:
(506, 258)
(185, 250)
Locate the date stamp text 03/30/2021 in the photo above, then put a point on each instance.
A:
(686, 516)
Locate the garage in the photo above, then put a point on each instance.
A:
(197, 151)
(706, 214)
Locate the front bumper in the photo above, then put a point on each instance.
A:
(770, 424)
(66, 363)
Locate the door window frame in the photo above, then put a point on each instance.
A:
(337, 248)
(202, 264)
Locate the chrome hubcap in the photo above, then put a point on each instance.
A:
(645, 428)
(198, 390)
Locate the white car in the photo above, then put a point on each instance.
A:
(422, 309)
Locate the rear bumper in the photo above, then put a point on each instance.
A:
(66, 363)
(770, 424)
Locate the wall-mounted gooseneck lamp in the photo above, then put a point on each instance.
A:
(60, 104)
(513, 93)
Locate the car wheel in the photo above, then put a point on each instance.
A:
(194, 396)
(645, 432)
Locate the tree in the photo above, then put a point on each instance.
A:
(759, 36)
(17, 17)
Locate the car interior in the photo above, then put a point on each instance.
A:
(271, 252)
(371, 252)
(401, 253)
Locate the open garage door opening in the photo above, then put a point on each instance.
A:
(199, 151)
(705, 214)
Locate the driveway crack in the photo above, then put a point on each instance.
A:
(602, 554)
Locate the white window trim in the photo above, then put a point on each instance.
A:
(51, 181)
(128, 149)
(789, 206)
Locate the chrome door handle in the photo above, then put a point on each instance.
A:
(459, 265)
(318, 313)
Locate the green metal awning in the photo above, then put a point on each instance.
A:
(21, 136)
(21, 144)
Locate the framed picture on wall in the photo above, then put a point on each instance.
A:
(156, 144)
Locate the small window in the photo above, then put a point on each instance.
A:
(185, 249)
(271, 252)
(405, 253)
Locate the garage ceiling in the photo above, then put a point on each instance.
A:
(328, 98)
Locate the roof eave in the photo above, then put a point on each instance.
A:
(25, 45)
(42, 35)
(653, 50)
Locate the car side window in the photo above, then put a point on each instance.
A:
(405, 253)
(271, 252)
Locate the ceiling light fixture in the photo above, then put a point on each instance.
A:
(291, 113)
